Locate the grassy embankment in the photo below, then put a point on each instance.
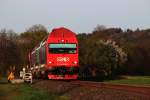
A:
(24, 92)
(132, 80)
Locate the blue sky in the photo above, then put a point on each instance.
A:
(77, 15)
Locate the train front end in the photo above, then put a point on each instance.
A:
(62, 55)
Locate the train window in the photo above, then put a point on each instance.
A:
(63, 48)
(62, 45)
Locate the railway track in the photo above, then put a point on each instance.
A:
(142, 90)
(93, 90)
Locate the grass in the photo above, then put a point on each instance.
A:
(3, 79)
(24, 92)
(28, 93)
(132, 80)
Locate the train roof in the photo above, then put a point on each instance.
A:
(62, 32)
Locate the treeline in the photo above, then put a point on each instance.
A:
(131, 47)
(104, 53)
(15, 47)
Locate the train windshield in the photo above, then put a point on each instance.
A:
(63, 48)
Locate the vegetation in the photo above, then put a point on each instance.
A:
(28, 93)
(102, 59)
(24, 92)
(132, 46)
(104, 53)
(14, 48)
(134, 80)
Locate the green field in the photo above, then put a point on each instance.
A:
(132, 80)
(23, 91)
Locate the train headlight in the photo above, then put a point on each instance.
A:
(50, 62)
(75, 62)
(62, 40)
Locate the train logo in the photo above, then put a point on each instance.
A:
(63, 59)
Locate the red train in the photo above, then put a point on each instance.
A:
(56, 57)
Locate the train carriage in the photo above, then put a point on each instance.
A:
(56, 57)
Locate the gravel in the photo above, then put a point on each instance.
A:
(77, 92)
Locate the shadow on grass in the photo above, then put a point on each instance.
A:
(4, 83)
(94, 79)
(102, 78)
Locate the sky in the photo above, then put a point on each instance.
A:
(78, 15)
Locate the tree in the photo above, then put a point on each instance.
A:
(9, 52)
(99, 28)
(29, 39)
(99, 58)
